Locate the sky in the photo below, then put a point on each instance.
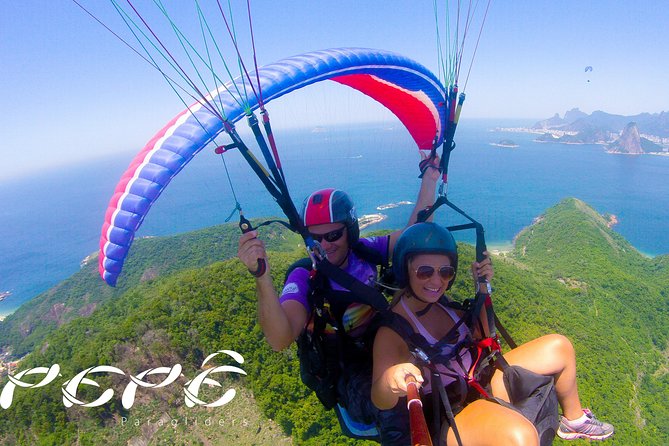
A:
(70, 91)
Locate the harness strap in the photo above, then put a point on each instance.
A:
(450, 417)
(319, 287)
(328, 307)
(427, 355)
(493, 345)
(366, 294)
(503, 331)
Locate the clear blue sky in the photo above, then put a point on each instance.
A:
(70, 91)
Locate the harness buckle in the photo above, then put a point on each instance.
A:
(316, 253)
(473, 382)
(420, 355)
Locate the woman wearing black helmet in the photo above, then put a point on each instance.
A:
(425, 262)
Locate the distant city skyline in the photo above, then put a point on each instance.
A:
(71, 91)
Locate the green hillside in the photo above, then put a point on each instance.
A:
(613, 304)
(569, 273)
(149, 258)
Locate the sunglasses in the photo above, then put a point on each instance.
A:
(329, 237)
(424, 272)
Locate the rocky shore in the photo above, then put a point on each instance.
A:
(370, 219)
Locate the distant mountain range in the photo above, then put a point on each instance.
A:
(635, 134)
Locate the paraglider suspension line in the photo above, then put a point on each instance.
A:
(238, 207)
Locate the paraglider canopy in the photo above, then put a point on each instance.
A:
(405, 87)
(587, 70)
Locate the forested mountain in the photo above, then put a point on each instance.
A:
(569, 273)
(149, 259)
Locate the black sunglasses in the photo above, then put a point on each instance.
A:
(329, 237)
(424, 272)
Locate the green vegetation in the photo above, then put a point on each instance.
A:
(150, 258)
(569, 273)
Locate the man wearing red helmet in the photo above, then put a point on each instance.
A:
(329, 216)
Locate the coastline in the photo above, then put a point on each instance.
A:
(560, 133)
(515, 164)
(368, 220)
(383, 207)
(509, 146)
(501, 248)
(4, 313)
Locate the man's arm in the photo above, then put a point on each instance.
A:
(280, 323)
(426, 196)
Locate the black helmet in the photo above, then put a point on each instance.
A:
(422, 238)
(331, 206)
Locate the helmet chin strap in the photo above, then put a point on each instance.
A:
(345, 259)
(348, 252)
(428, 305)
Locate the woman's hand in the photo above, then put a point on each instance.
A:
(397, 377)
(483, 268)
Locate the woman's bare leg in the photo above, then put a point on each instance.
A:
(548, 355)
(485, 423)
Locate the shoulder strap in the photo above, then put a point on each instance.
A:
(365, 294)
(386, 274)
(416, 342)
(304, 263)
(369, 255)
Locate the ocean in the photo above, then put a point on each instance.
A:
(49, 222)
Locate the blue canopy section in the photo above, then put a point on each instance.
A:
(405, 87)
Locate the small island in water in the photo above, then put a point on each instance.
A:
(505, 143)
(383, 207)
(370, 219)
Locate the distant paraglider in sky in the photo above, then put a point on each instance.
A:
(588, 69)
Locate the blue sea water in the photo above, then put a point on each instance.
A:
(51, 221)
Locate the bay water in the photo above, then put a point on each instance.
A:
(50, 221)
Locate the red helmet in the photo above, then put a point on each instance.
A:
(331, 206)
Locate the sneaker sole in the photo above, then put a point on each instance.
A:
(577, 435)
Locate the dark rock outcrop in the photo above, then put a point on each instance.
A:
(629, 141)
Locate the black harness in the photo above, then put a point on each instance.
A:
(531, 394)
(324, 357)
(447, 402)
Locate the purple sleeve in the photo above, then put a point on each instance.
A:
(379, 244)
(296, 287)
